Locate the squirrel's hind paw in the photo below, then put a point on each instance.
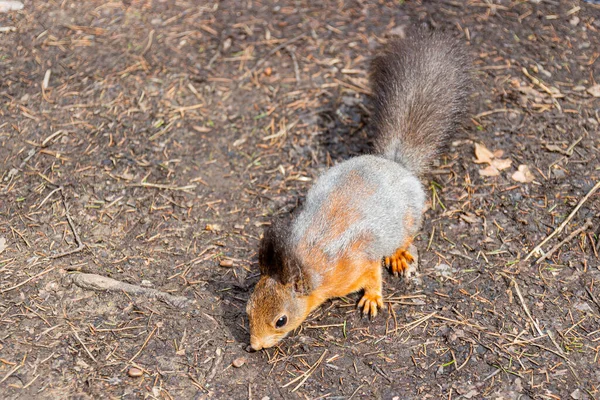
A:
(399, 262)
(369, 303)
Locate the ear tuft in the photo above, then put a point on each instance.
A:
(271, 253)
(276, 259)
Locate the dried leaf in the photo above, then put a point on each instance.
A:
(523, 174)
(482, 154)
(594, 90)
(501, 163)
(2, 244)
(469, 217)
(489, 171)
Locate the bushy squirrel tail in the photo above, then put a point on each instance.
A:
(420, 86)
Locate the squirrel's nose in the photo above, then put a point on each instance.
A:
(255, 344)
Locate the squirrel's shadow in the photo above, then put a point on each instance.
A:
(233, 296)
(343, 123)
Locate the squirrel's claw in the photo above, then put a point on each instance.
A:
(370, 303)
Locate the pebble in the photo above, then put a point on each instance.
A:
(135, 372)
(213, 227)
(238, 362)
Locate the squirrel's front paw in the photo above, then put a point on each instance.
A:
(369, 303)
(399, 262)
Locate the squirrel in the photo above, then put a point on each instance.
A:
(365, 211)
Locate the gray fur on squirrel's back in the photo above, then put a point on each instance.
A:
(420, 87)
(380, 207)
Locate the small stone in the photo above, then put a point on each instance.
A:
(226, 263)
(238, 362)
(227, 44)
(584, 45)
(10, 5)
(444, 270)
(135, 372)
(559, 173)
(574, 21)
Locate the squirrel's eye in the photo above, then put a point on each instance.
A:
(281, 322)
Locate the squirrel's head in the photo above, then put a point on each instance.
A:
(278, 304)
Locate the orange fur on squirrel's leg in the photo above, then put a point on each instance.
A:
(372, 298)
(398, 263)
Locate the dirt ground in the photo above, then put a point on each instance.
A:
(150, 141)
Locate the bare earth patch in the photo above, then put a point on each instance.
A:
(150, 141)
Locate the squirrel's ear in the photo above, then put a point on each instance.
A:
(275, 258)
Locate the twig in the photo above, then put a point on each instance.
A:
(458, 368)
(98, 282)
(282, 131)
(538, 248)
(80, 245)
(594, 299)
(356, 391)
(269, 54)
(496, 372)
(49, 195)
(523, 303)
(15, 369)
(412, 325)
(218, 360)
(149, 44)
(164, 187)
(545, 88)
(380, 371)
(12, 371)
(295, 61)
(586, 226)
(498, 110)
(305, 375)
